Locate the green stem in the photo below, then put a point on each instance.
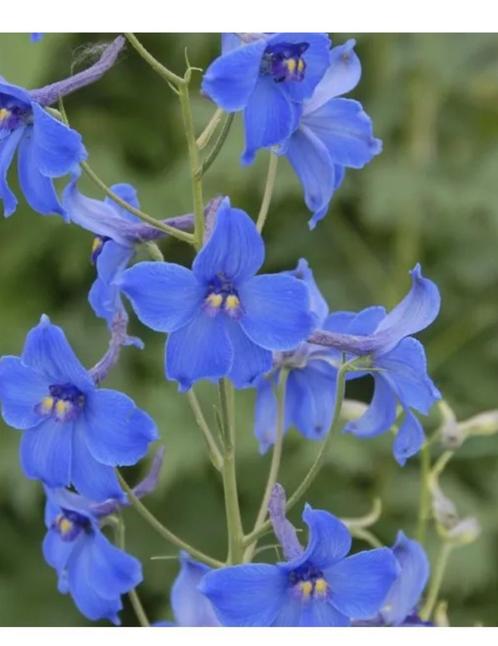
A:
(425, 494)
(367, 536)
(232, 508)
(218, 144)
(275, 462)
(267, 195)
(205, 137)
(162, 530)
(436, 581)
(320, 458)
(213, 450)
(154, 252)
(158, 67)
(174, 233)
(193, 152)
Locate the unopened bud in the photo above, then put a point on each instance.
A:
(464, 532)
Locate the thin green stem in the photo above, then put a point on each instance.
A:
(193, 152)
(174, 233)
(162, 530)
(158, 67)
(320, 458)
(267, 195)
(232, 508)
(425, 494)
(218, 144)
(436, 581)
(205, 137)
(275, 462)
(212, 446)
(154, 252)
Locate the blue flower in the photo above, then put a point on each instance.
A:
(222, 319)
(267, 77)
(46, 148)
(333, 133)
(319, 587)
(36, 37)
(74, 432)
(92, 570)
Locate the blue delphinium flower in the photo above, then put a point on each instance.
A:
(395, 360)
(74, 432)
(268, 77)
(92, 570)
(36, 37)
(47, 148)
(318, 586)
(333, 133)
(222, 320)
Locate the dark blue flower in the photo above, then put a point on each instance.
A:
(92, 570)
(74, 432)
(222, 319)
(319, 587)
(333, 133)
(36, 37)
(268, 77)
(46, 147)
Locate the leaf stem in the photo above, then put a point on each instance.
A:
(212, 446)
(205, 137)
(218, 144)
(436, 581)
(425, 498)
(158, 67)
(267, 195)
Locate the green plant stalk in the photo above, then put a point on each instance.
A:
(205, 137)
(275, 462)
(425, 494)
(163, 531)
(320, 458)
(218, 144)
(436, 581)
(158, 67)
(268, 193)
(212, 446)
(232, 508)
(154, 252)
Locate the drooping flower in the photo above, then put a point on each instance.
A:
(318, 586)
(222, 320)
(333, 133)
(268, 77)
(74, 433)
(89, 568)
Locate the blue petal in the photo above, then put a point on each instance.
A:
(8, 148)
(311, 162)
(56, 551)
(128, 193)
(320, 613)
(117, 432)
(329, 540)
(38, 189)
(343, 75)
(231, 78)
(318, 304)
(409, 438)
(46, 452)
(229, 42)
(93, 480)
(407, 590)
(190, 607)
(405, 369)
(57, 149)
(359, 584)
(164, 296)
(249, 359)
(379, 416)
(310, 399)
(366, 321)
(346, 132)
(269, 118)
(21, 389)
(415, 312)
(105, 293)
(19, 93)
(246, 595)
(47, 351)
(235, 248)
(265, 413)
(276, 312)
(200, 350)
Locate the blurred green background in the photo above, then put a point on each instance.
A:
(432, 196)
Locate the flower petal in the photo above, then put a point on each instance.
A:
(8, 148)
(318, 304)
(117, 432)
(128, 193)
(265, 413)
(200, 350)
(165, 296)
(231, 78)
(47, 351)
(235, 248)
(276, 312)
(359, 584)
(46, 452)
(249, 359)
(105, 293)
(56, 551)
(246, 595)
(21, 389)
(406, 591)
(379, 416)
(409, 438)
(190, 607)
(320, 613)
